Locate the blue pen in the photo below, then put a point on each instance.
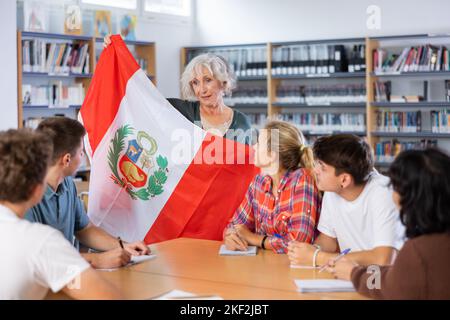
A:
(336, 259)
(277, 235)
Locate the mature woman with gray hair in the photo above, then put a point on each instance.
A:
(205, 81)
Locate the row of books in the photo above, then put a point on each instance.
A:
(317, 59)
(412, 59)
(250, 61)
(440, 121)
(257, 120)
(54, 95)
(327, 122)
(396, 121)
(321, 95)
(248, 95)
(386, 151)
(55, 58)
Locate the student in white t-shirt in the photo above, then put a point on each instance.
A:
(35, 257)
(358, 212)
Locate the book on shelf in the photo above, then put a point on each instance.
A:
(127, 26)
(73, 22)
(321, 95)
(440, 120)
(248, 95)
(326, 122)
(42, 56)
(53, 95)
(357, 60)
(257, 120)
(405, 99)
(316, 59)
(447, 90)
(246, 62)
(424, 58)
(386, 151)
(102, 23)
(395, 121)
(35, 16)
(382, 91)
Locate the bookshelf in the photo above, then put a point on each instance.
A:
(283, 77)
(411, 67)
(46, 73)
(282, 67)
(313, 85)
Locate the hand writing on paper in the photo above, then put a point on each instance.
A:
(138, 248)
(342, 269)
(233, 241)
(110, 259)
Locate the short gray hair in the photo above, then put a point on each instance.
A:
(219, 68)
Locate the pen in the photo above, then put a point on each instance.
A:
(336, 259)
(120, 242)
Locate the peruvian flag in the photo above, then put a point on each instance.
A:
(155, 175)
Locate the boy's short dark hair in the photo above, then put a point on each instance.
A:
(346, 153)
(24, 159)
(65, 133)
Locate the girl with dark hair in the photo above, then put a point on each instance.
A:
(421, 183)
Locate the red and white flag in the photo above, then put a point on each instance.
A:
(155, 175)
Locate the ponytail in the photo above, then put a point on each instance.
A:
(306, 157)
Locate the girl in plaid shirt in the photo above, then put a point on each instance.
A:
(282, 202)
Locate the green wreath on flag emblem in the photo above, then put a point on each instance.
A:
(135, 170)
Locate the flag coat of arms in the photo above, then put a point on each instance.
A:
(155, 175)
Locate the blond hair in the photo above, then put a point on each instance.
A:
(292, 149)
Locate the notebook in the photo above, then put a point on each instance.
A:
(251, 251)
(184, 295)
(324, 285)
(134, 260)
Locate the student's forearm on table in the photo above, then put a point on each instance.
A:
(96, 238)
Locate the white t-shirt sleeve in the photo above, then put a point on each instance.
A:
(326, 225)
(57, 262)
(387, 228)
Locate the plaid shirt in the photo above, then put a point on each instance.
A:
(292, 215)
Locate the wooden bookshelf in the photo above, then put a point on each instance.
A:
(144, 50)
(394, 44)
(368, 78)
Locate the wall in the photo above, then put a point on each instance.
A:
(249, 21)
(8, 56)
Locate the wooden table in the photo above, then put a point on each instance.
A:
(194, 265)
